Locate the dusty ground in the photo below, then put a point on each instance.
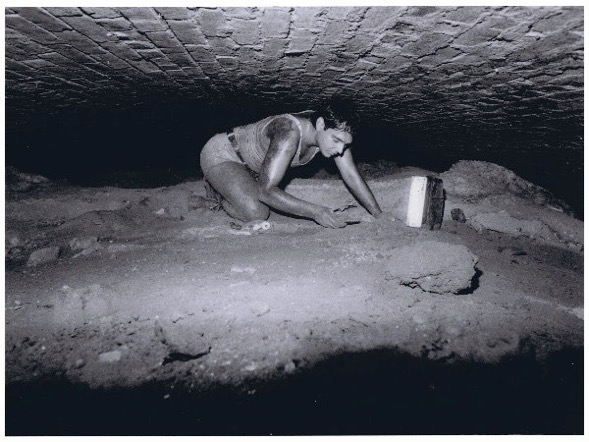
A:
(158, 317)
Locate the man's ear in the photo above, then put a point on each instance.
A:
(320, 124)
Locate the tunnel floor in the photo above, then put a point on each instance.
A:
(371, 393)
(180, 324)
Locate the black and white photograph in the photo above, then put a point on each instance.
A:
(294, 220)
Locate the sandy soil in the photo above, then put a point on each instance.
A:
(159, 317)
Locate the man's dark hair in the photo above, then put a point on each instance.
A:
(339, 113)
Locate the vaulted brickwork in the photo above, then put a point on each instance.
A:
(462, 80)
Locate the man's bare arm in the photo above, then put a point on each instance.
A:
(284, 141)
(355, 182)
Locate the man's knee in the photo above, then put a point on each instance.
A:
(254, 210)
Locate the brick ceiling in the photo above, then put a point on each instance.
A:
(457, 77)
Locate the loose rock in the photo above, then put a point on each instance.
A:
(433, 266)
(82, 243)
(458, 215)
(503, 222)
(43, 256)
(110, 357)
(184, 342)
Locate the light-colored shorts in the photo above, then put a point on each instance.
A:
(216, 151)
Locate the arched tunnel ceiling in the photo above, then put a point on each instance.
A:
(471, 72)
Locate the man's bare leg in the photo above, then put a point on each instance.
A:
(239, 190)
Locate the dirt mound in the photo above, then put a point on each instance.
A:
(475, 180)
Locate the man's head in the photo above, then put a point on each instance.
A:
(339, 113)
(334, 130)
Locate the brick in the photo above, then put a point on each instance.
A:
(65, 12)
(15, 76)
(38, 63)
(12, 36)
(210, 69)
(223, 46)
(294, 63)
(378, 18)
(213, 23)
(139, 13)
(150, 54)
(246, 32)
(194, 72)
(360, 43)
(228, 62)
(335, 32)
(243, 13)
(275, 22)
(17, 54)
(26, 45)
(88, 27)
(18, 67)
(481, 33)
(29, 29)
(301, 41)
(163, 63)
(99, 13)
(187, 32)
(145, 66)
(468, 14)
(118, 24)
(139, 44)
(422, 11)
(43, 19)
(175, 13)
(121, 50)
(248, 54)
(181, 59)
(337, 13)
(76, 39)
(305, 18)
(201, 54)
(144, 19)
(71, 53)
(165, 39)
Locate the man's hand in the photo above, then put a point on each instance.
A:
(327, 218)
(352, 214)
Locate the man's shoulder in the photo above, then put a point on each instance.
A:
(283, 124)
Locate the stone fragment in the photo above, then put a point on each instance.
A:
(503, 222)
(458, 215)
(290, 367)
(82, 243)
(86, 303)
(43, 256)
(12, 239)
(252, 366)
(110, 356)
(433, 266)
(184, 342)
(246, 269)
(259, 308)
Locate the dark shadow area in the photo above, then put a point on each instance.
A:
(376, 392)
(157, 143)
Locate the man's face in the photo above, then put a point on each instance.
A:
(333, 142)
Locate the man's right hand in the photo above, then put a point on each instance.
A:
(327, 218)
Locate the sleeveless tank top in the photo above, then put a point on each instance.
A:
(253, 142)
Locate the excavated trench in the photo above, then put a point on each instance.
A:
(167, 321)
